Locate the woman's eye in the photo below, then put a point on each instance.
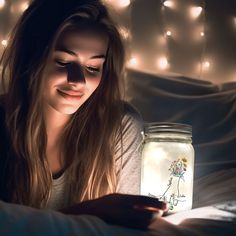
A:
(62, 63)
(92, 69)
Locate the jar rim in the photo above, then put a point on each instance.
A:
(154, 127)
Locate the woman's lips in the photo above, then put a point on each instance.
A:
(70, 95)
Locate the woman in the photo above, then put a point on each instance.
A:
(68, 137)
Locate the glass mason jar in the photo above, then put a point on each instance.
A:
(168, 164)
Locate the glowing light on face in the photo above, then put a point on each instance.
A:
(195, 11)
(163, 63)
(2, 3)
(4, 42)
(168, 3)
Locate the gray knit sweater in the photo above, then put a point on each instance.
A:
(128, 166)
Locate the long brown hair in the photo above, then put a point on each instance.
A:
(90, 136)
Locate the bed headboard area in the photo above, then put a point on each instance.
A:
(209, 108)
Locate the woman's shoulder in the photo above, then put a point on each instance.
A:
(132, 117)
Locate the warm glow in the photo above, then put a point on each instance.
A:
(206, 64)
(20, 7)
(202, 34)
(168, 3)
(168, 33)
(161, 40)
(118, 3)
(133, 62)
(2, 3)
(4, 42)
(163, 63)
(24, 6)
(124, 32)
(208, 212)
(195, 11)
(234, 21)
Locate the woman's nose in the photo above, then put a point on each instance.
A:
(75, 73)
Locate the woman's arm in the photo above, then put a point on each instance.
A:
(132, 211)
(128, 153)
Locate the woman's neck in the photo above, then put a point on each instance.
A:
(55, 123)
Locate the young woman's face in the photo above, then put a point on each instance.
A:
(74, 71)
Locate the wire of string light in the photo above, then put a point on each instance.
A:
(203, 53)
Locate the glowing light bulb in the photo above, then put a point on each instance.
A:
(195, 11)
(168, 33)
(163, 63)
(206, 65)
(168, 3)
(133, 62)
(202, 34)
(4, 42)
(2, 3)
(124, 3)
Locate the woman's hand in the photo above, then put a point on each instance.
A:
(133, 211)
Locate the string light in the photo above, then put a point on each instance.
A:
(118, 3)
(163, 63)
(195, 11)
(4, 42)
(202, 34)
(133, 62)
(206, 65)
(2, 3)
(168, 33)
(168, 3)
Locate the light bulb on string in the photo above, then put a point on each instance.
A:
(202, 34)
(168, 3)
(4, 42)
(118, 3)
(162, 63)
(133, 62)
(168, 33)
(195, 12)
(2, 3)
(206, 65)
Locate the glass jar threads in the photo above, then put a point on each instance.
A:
(168, 164)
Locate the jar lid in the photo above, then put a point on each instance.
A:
(157, 127)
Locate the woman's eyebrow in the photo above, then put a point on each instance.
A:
(66, 50)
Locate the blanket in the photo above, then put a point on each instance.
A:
(214, 214)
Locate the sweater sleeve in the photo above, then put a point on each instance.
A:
(128, 153)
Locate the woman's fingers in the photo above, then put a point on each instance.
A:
(140, 201)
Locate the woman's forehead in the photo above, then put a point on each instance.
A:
(83, 40)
